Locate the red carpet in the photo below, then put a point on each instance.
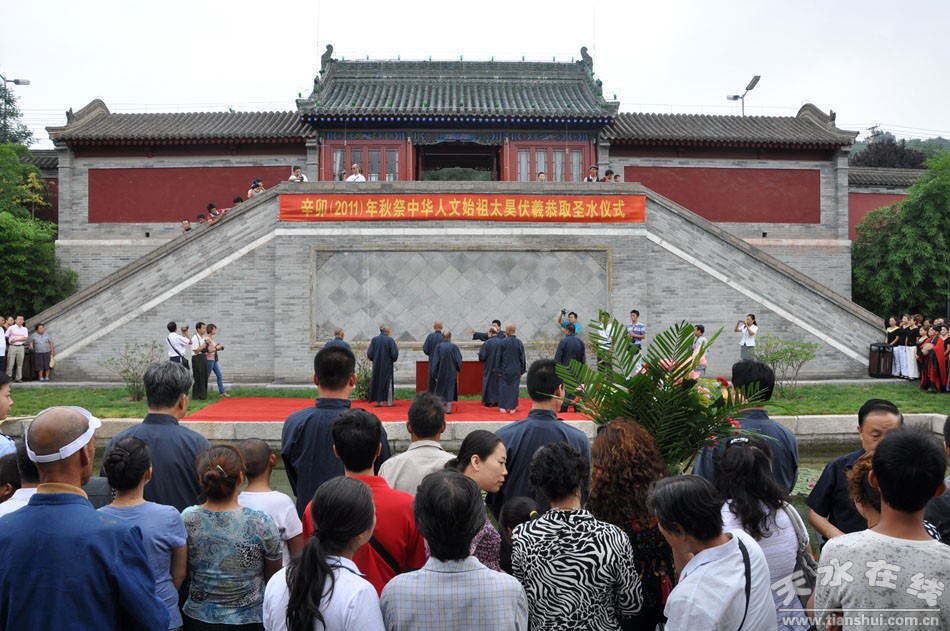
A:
(278, 409)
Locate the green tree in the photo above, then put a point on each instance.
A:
(31, 278)
(899, 258)
(12, 129)
(21, 185)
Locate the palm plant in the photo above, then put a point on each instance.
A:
(656, 391)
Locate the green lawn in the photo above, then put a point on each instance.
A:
(818, 399)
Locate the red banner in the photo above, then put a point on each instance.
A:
(446, 207)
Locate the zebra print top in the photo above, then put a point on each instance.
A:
(578, 572)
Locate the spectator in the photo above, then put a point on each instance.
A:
(356, 174)
(753, 374)
(3, 344)
(214, 365)
(43, 351)
(938, 509)
(129, 469)
(517, 511)
(260, 463)
(172, 448)
(897, 567)
(323, 588)
(63, 565)
(297, 175)
(867, 499)
(199, 363)
(563, 318)
(396, 546)
(425, 454)
(232, 550)
(578, 572)
(185, 226)
(482, 458)
(453, 591)
(257, 187)
(626, 464)
(17, 337)
(592, 174)
(699, 333)
(832, 510)
(757, 505)
(7, 445)
(9, 477)
(202, 219)
(178, 345)
(724, 577)
(542, 176)
(748, 328)
(306, 439)
(541, 428)
(29, 480)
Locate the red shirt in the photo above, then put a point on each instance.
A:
(395, 531)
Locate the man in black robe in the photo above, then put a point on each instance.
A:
(446, 364)
(383, 352)
(489, 354)
(483, 337)
(570, 347)
(511, 365)
(431, 342)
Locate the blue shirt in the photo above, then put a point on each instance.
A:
(173, 449)
(781, 441)
(64, 565)
(522, 439)
(307, 448)
(162, 532)
(637, 329)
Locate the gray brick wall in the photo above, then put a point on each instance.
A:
(257, 279)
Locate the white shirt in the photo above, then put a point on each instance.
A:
(357, 177)
(3, 345)
(19, 499)
(196, 341)
(747, 339)
(293, 178)
(17, 331)
(177, 342)
(711, 591)
(353, 606)
(405, 471)
(279, 506)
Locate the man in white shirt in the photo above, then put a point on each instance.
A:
(895, 570)
(29, 480)
(724, 577)
(355, 174)
(425, 455)
(177, 344)
(199, 363)
(17, 337)
(297, 175)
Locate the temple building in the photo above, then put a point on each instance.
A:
(754, 214)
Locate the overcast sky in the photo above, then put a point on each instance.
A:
(874, 62)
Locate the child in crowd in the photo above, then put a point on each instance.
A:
(515, 512)
(260, 496)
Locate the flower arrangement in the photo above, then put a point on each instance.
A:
(656, 391)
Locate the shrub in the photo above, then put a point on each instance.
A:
(130, 364)
(786, 357)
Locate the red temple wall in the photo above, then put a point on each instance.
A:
(744, 195)
(860, 204)
(170, 194)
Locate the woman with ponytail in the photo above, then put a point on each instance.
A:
(322, 589)
(482, 457)
(129, 468)
(232, 550)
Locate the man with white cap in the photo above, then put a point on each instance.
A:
(64, 565)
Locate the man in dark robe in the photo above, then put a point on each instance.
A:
(446, 364)
(428, 347)
(570, 347)
(383, 352)
(490, 354)
(338, 340)
(483, 337)
(511, 365)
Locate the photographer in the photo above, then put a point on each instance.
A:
(257, 187)
(563, 318)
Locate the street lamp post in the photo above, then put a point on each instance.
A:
(6, 131)
(741, 97)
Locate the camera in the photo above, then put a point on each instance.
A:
(563, 311)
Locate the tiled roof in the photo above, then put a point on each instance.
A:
(876, 176)
(95, 124)
(43, 159)
(471, 91)
(810, 127)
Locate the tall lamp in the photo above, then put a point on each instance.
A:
(6, 132)
(741, 97)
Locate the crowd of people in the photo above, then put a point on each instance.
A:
(920, 350)
(531, 526)
(199, 352)
(16, 341)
